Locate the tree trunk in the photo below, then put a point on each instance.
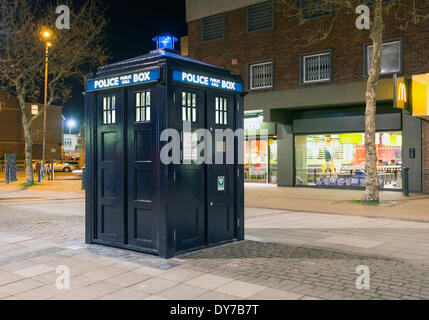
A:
(372, 183)
(29, 174)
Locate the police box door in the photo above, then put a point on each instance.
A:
(110, 167)
(221, 204)
(189, 177)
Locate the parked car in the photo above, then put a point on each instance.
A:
(61, 167)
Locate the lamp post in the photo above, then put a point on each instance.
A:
(46, 35)
(71, 124)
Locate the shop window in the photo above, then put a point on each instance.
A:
(189, 106)
(391, 58)
(338, 160)
(213, 27)
(261, 75)
(260, 16)
(109, 110)
(143, 106)
(221, 111)
(316, 67)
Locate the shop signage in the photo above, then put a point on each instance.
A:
(123, 80)
(420, 95)
(220, 183)
(400, 92)
(207, 81)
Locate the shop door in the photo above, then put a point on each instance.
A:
(110, 164)
(189, 179)
(220, 177)
(142, 182)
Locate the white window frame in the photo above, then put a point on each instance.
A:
(387, 42)
(304, 69)
(251, 66)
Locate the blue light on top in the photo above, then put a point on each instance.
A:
(165, 41)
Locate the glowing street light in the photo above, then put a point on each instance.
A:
(46, 35)
(71, 124)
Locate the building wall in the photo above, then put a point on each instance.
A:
(278, 44)
(12, 136)
(425, 131)
(197, 9)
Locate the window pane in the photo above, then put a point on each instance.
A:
(390, 58)
(183, 113)
(225, 102)
(183, 98)
(221, 117)
(148, 114)
(217, 103)
(109, 117)
(189, 116)
(104, 103)
(138, 99)
(261, 75)
(217, 117)
(194, 100)
(194, 114)
(113, 102)
(138, 114)
(113, 116)
(143, 114)
(189, 102)
(105, 117)
(148, 98)
(225, 118)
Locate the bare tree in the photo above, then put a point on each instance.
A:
(22, 54)
(313, 31)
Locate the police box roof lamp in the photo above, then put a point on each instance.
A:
(165, 41)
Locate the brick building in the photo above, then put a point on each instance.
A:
(312, 98)
(12, 135)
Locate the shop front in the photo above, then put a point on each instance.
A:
(338, 160)
(260, 149)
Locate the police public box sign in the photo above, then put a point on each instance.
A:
(123, 80)
(206, 81)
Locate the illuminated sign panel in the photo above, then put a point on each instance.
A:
(123, 80)
(401, 93)
(206, 81)
(420, 95)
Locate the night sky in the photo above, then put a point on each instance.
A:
(132, 26)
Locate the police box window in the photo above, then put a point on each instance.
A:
(391, 57)
(189, 106)
(143, 106)
(261, 75)
(109, 110)
(221, 111)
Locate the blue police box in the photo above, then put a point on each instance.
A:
(134, 198)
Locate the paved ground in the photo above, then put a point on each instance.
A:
(287, 255)
(394, 204)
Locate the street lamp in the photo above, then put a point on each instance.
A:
(46, 35)
(71, 124)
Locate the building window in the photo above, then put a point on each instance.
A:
(391, 58)
(34, 110)
(261, 75)
(316, 67)
(109, 110)
(143, 106)
(189, 106)
(338, 160)
(67, 142)
(260, 16)
(213, 27)
(221, 111)
(315, 8)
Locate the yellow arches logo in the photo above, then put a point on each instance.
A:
(402, 92)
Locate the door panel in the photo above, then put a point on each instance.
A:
(221, 198)
(189, 185)
(142, 183)
(110, 144)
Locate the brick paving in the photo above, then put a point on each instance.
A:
(319, 272)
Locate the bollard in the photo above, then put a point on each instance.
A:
(405, 181)
(52, 170)
(83, 178)
(7, 174)
(39, 172)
